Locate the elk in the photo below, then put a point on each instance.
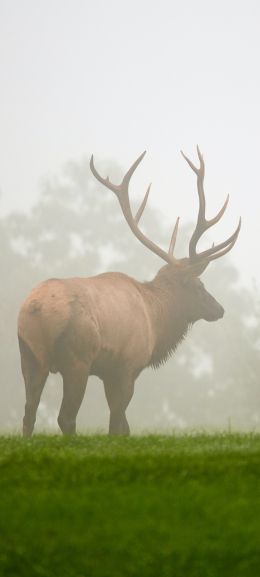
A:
(112, 325)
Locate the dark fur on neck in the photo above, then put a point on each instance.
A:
(167, 313)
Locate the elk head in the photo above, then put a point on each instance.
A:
(180, 274)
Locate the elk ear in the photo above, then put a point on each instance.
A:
(198, 268)
(194, 270)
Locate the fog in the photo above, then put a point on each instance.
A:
(116, 78)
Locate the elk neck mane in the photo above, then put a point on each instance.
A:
(167, 313)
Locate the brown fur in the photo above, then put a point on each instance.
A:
(109, 325)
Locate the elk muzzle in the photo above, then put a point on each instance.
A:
(214, 311)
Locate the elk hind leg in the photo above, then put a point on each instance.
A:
(35, 377)
(74, 386)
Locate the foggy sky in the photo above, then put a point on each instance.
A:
(117, 77)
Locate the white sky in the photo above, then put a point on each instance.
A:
(117, 77)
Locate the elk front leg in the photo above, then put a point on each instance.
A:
(118, 396)
(74, 386)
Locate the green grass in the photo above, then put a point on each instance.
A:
(177, 506)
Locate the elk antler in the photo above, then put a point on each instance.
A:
(203, 224)
(122, 194)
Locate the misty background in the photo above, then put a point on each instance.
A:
(115, 78)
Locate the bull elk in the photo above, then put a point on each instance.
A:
(112, 325)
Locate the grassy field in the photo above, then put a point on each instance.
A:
(94, 506)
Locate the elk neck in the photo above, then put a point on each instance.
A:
(166, 306)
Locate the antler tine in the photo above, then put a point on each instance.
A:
(130, 172)
(201, 168)
(117, 188)
(143, 205)
(218, 216)
(122, 193)
(217, 250)
(174, 237)
(104, 181)
(229, 245)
